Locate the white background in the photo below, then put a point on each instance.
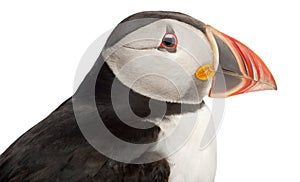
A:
(41, 44)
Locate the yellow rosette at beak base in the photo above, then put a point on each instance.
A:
(205, 72)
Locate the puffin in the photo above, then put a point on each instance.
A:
(139, 114)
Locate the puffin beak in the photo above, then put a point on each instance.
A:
(238, 69)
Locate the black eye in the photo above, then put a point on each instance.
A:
(169, 41)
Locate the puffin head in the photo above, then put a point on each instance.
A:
(172, 57)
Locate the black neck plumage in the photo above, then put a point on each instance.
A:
(126, 108)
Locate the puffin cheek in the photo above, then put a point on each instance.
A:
(142, 44)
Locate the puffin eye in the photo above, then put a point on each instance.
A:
(169, 42)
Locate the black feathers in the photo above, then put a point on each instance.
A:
(56, 150)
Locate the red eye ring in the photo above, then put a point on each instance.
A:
(169, 41)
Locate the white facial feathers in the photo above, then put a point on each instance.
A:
(160, 74)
